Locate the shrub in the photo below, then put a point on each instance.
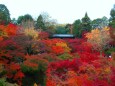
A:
(2, 82)
(65, 56)
(31, 33)
(11, 58)
(99, 38)
(109, 51)
(35, 66)
(57, 46)
(43, 35)
(8, 30)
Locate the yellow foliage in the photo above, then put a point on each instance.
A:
(3, 34)
(106, 28)
(99, 38)
(31, 32)
(107, 70)
(35, 84)
(63, 45)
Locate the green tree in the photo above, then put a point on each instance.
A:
(105, 22)
(4, 15)
(86, 23)
(100, 23)
(112, 24)
(25, 18)
(20, 19)
(60, 30)
(67, 27)
(40, 23)
(112, 18)
(14, 21)
(77, 28)
(26, 21)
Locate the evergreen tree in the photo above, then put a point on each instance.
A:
(86, 23)
(25, 18)
(14, 21)
(112, 24)
(20, 19)
(112, 18)
(77, 28)
(68, 27)
(100, 23)
(4, 15)
(26, 21)
(61, 29)
(40, 23)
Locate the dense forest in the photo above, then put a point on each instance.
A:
(30, 57)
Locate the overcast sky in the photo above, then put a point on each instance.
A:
(65, 11)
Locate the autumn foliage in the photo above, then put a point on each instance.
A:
(28, 58)
(57, 46)
(8, 30)
(10, 60)
(99, 38)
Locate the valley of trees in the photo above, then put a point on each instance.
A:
(30, 57)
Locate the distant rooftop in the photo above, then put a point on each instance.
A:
(63, 36)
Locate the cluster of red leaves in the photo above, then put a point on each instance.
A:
(84, 34)
(10, 58)
(9, 29)
(1, 38)
(9, 50)
(113, 76)
(91, 70)
(14, 73)
(74, 43)
(33, 63)
(112, 60)
(57, 49)
(80, 45)
(53, 48)
(83, 49)
(50, 57)
(65, 65)
(11, 54)
(78, 73)
(51, 42)
(43, 35)
(29, 46)
(59, 69)
(75, 80)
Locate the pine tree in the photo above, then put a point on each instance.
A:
(86, 23)
(40, 23)
(112, 18)
(4, 15)
(25, 18)
(77, 28)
